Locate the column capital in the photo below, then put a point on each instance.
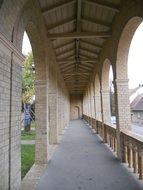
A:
(121, 81)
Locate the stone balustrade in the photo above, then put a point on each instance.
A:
(131, 144)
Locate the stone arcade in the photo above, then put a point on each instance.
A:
(74, 43)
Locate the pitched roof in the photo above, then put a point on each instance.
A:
(137, 104)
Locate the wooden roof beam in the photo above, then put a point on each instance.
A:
(58, 6)
(68, 68)
(62, 23)
(79, 35)
(78, 73)
(65, 52)
(63, 45)
(89, 51)
(60, 61)
(92, 44)
(96, 21)
(106, 5)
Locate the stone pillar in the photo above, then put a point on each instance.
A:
(53, 108)
(41, 112)
(122, 110)
(10, 115)
(60, 128)
(106, 106)
(98, 106)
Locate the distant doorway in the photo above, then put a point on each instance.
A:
(76, 113)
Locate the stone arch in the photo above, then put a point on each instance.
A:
(105, 74)
(124, 45)
(106, 91)
(121, 82)
(34, 28)
(76, 112)
(97, 97)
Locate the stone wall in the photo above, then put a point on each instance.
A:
(76, 106)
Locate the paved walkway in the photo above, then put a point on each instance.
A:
(82, 162)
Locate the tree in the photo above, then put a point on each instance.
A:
(28, 78)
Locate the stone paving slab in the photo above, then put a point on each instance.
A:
(83, 162)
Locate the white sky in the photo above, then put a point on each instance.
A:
(26, 48)
(135, 58)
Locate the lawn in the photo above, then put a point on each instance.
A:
(27, 158)
(28, 135)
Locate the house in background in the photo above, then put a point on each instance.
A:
(136, 103)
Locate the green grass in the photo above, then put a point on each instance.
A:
(27, 158)
(28, 135)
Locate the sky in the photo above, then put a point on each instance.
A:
(26, 48)
(135, 57)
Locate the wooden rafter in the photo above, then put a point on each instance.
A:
(61, 61)
(79, 35)
(93, 54)
(63, 45)
(65, 52)
(96, 21)
(91, 44)
(62, 23)
(68, 69)
(78, 73)
(65, 65)
(58, 6)
(88, 65)
(85, 67)
(89, 51)
(106, 5)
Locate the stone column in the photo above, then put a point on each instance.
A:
(41, 112)
(53, 108)
(106, 106)
(98, 106)
(122, 110)
(60, 129)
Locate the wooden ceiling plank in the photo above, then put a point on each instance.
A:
(63, 45)
(61, 23)
(65, 52)
(58, 6)
(79, 73)
(61, 61)
(106, 5)
(92, 44)
(90, 51)
(96, 21)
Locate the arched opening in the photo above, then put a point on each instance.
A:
(97, 98)
(106, 91)
(122, 91)
(76, 114)
(28, 109)
(135, 59)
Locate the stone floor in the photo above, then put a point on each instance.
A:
(83, 162)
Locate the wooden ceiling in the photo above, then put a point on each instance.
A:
(78, 29)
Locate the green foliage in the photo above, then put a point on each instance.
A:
(28, 78)
(30, 135)
(27, 158)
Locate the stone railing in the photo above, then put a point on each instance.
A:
(131, 144)
(132, 151)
